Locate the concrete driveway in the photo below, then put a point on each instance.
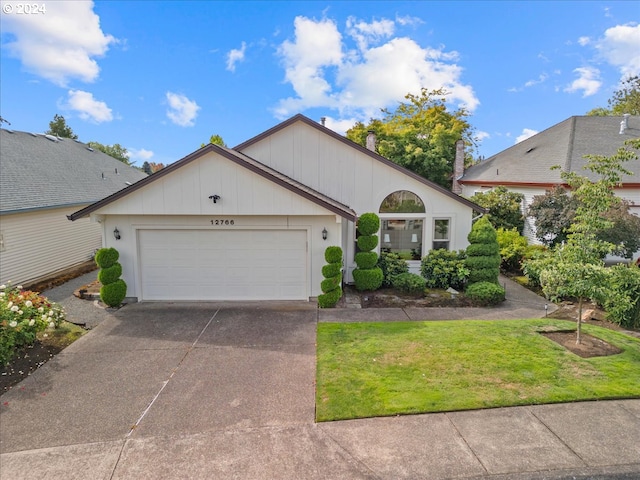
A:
(184, 390)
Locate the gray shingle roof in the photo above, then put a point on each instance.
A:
(564, 144)
(38, 171)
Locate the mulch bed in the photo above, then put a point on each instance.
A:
(25, 362)
(588, 347)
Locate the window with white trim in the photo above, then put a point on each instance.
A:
(402, 220)
(441, 233)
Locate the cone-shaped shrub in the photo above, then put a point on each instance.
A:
(368, 276)
(483, 262)
(113, 289)
(331, 286)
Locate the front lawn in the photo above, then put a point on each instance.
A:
(395, 368)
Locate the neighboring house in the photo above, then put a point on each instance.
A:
(526, 166)
(42, 180)
(253, 222)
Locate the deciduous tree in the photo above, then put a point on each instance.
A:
(58, 127)
(505, 207)
(116, 151)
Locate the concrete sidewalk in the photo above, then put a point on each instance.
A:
(226, 390)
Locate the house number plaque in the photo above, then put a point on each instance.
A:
(219, 223)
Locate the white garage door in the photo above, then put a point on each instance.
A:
(223, 264)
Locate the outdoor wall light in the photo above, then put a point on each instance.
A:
(116, 233)
(215, 198)
(324, 233)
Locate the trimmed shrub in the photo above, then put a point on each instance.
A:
(485, 293)
(110, 274)
(113, 294)
(106, 257)
(623, 303)
(331, 269)
(483, 257)
(443, 269)
(410, 283)
(370, 279)
(368, 224)
(367, 276)
(391, 265)
(114, 288)
(333, 254)
(330, 299)
(331, 286)
(367, 243)
(513, 249)
(366, 260)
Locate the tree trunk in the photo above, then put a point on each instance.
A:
(578, 340)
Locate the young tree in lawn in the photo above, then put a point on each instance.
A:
(578, 269)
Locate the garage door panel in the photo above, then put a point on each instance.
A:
(223, 264)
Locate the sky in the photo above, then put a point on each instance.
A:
(161, 77)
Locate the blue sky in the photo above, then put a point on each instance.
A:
(161, 77)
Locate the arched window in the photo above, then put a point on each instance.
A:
(402, 224)
(402, 201)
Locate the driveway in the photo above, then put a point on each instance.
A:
(185, 390)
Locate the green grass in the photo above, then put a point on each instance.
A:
(395, 368)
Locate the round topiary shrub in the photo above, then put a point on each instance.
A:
(370, 279)
(333, 254)
(106, 257)
(367, 243)
(485, 293)
(366, 260)
(113, 294)
(368, 224)
(110, 274)
(331, 286)
(410, 283)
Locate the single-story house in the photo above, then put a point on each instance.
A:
(253, 222)
(43, 179)
(526, 167)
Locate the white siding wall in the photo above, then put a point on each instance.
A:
(43, 242)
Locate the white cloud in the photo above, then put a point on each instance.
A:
(588, 81)
(480, 135)
(234, 56)
(88, 108)
(359, 80)
(620, 47)
(340, 125)
(182, 111)
(60, 44)
(582, 41)
(139, 154)
(526, 133)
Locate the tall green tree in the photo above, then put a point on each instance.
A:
(553, 213)
(116, 151)
(420, 135)
(58, 127)
(215, 140)
(505, 207)
(624, 100)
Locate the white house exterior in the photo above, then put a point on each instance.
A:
(43, 179)
(253, 222)
(526, 167)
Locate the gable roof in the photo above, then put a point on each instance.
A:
(40, 171)
(566, 144)
(240, 159)
(352, 144)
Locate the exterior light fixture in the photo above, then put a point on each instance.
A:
(116, 233)
(324, 233)
(215, 198)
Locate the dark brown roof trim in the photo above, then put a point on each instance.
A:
(238, 158)
(345, 140)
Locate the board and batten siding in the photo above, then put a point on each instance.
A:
(42, 242)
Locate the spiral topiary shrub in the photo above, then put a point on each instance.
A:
(113, 289)
(368, 276)
(331, 286)
(483, 253)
